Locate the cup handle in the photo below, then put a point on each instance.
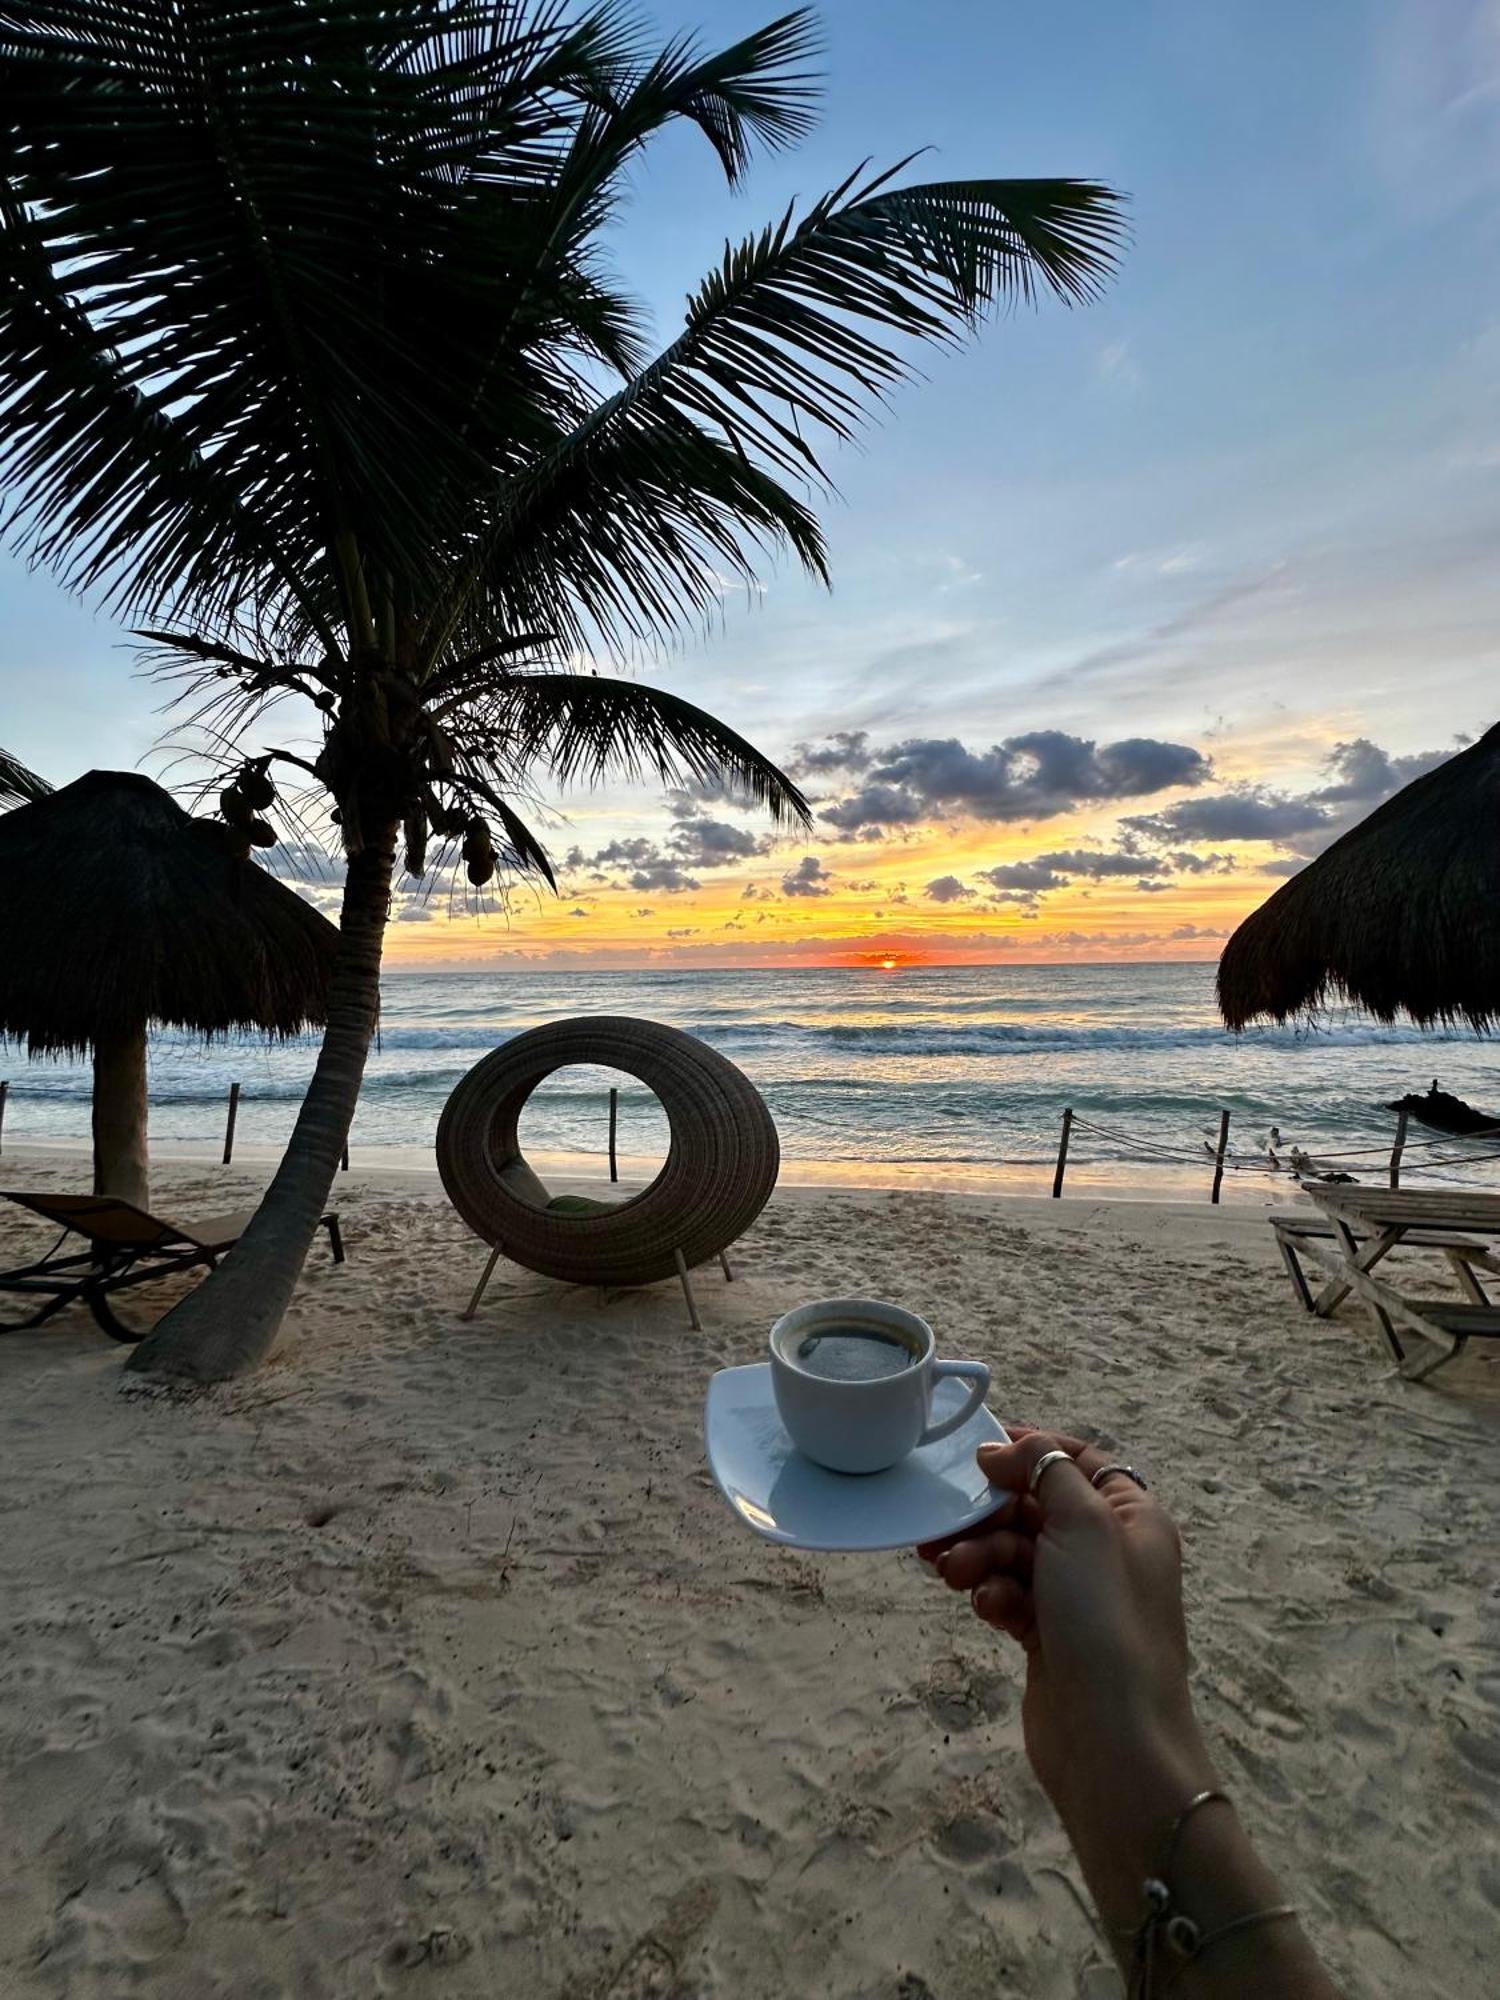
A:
(973, 1371)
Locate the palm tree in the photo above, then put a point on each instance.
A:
(18, 786)
(313, 363)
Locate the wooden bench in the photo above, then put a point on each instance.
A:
(1461, 1324)
(1305, 1226)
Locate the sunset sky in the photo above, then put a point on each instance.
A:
(1135, 607)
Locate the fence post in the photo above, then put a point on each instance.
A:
(614, 1109)
(4, 1093)
(234, 1107)
(1062, 1154)
(1399, 1148)
(1223, 1148)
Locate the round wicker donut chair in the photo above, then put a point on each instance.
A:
(719, 1171)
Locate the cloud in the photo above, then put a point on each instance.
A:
(808, 878)
(1032, 776)
(579, 912)
(1029, 876)
(948, 889)
(1188, 863)
(1116, 364)
(684, 800)
(1362, 774)
(846, 750)
(662, 876)
(687, 930)
(696, 842)
(1365, 774)
(1147, 648)
(1096, 866)
(874, 807)
(301, 861)
(1249, 813)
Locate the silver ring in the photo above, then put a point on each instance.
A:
(1047, 1458)
(1129, 1471)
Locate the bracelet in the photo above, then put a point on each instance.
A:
(1162, 1924)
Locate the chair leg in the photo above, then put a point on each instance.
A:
(1388, 1327)
(1473, 1291)
(335, 1237)
(1294, 1271)
(724, 1262)
(687, 1291)
(1460, 1342)
(489, 1271)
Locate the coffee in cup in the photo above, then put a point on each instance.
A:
(853, 1381)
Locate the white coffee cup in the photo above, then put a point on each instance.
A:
(869, 1424)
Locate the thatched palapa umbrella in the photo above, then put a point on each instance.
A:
(118, 910)
(1401, 915)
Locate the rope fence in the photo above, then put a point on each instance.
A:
(1291, 1161)
(236, 1097)
(1295, 1161)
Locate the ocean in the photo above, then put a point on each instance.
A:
(953, 1075)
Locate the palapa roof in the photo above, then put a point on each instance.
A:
(1400, 916)
(117, 908)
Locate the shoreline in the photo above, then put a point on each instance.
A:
(417, 1166)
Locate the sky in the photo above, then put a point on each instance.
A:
(1135, 607)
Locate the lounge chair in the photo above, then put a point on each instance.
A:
(126, 1247)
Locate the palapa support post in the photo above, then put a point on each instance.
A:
(1219, 1151)
(687, 1291)
(4, 1093)
(724, 1261)
(1062, 1154)
(1399, 1148)
(614, 1110)
(344, 1159)
(234, 1110)
(488, 1273)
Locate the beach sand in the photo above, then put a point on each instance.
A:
(429, 1661)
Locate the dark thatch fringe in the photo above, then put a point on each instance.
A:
(116, 908)
(1400, 916)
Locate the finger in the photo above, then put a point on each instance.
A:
(1007, 1509)
(1064, 1490)
(1000, 1601)
(969, 1562)
(1088, 1457)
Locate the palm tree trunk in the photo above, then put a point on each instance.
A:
(229, 1324)
(120, 1117)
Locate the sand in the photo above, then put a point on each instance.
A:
(428, 1661)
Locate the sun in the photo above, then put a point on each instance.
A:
(888, 965)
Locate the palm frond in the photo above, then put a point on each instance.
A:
(582, 727)
(801, 330)
(18, 785)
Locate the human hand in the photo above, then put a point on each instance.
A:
(1088, 1581)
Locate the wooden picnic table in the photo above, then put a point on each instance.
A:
(1365, 1224)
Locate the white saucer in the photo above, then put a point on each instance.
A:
(788, 1499)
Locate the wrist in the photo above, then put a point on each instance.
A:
(1119, 1798)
